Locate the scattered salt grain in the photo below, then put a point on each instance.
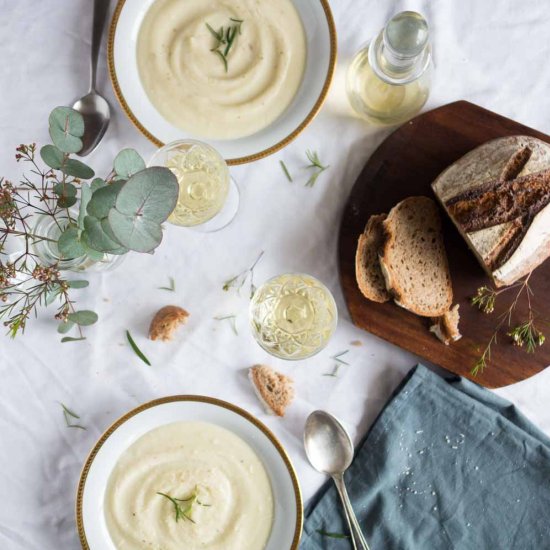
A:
(420, 431)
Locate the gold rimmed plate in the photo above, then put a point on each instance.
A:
(321, 60)
(288, 513)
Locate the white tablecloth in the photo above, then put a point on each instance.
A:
(491, 53)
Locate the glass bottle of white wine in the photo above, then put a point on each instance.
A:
(388, 81)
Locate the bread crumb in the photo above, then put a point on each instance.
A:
(273, 389)
(166, 321)
(356, 343)
(445, 327)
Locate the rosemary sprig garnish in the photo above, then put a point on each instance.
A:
(339, 363)
(338, 357)
(69, 417)
(223, 58)
(239, 280)
(184, 512)
(334, 373)
(171, 287)
(285, 170)
(328, 534)
(525, 334)
(317, 165)
(137, 351)
(218, 35)
(225, 39)
(232, 321)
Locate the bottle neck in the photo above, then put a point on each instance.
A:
(393, 68)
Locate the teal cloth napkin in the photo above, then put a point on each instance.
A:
(447, 465)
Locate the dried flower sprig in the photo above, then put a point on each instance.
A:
(524, 334)
(86, 233)
(239, 280)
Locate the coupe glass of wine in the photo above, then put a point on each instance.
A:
(208, 197)
(293, 316)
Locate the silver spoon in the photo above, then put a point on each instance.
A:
(94, 107)
(330, 450)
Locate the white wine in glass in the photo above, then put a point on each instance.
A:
(204, 182)
(293, 316)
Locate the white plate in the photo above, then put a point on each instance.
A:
(90, 519)
(321, 59)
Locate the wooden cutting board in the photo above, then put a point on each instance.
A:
(405, 164)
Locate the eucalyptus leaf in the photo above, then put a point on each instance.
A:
(65, 327)
(52, 156)
(66, 129)
(151, 194)
(135, 232)
(78, 284)
(103, 199)
(66, 202)
(64, 141)
(70, 339)
(97, 183)
(64, 189)
(83, 318)
(109, 232)
(85, 196)
(96, 238)
(92, 254)
(127, 163)
(69, 244)
(77, 169)
(68, 120)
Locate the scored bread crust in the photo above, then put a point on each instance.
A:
(485, 163)
(413, 258)
(368, 272)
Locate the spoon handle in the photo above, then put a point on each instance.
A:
(357, 538)
(101, 8)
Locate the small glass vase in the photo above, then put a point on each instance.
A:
(47, 253)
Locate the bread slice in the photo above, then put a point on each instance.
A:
(273, 389)
(367, 267)
(413, 258)
(445, 327)
(513, 236)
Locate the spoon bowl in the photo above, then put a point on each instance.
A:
(97, 114)
(329, 449)
(328, 445)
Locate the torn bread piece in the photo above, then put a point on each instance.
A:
(367, 267)
(274, 390)
(445, 327)
(166, 321)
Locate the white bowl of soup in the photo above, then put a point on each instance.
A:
(246, 76)
(188, 472)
